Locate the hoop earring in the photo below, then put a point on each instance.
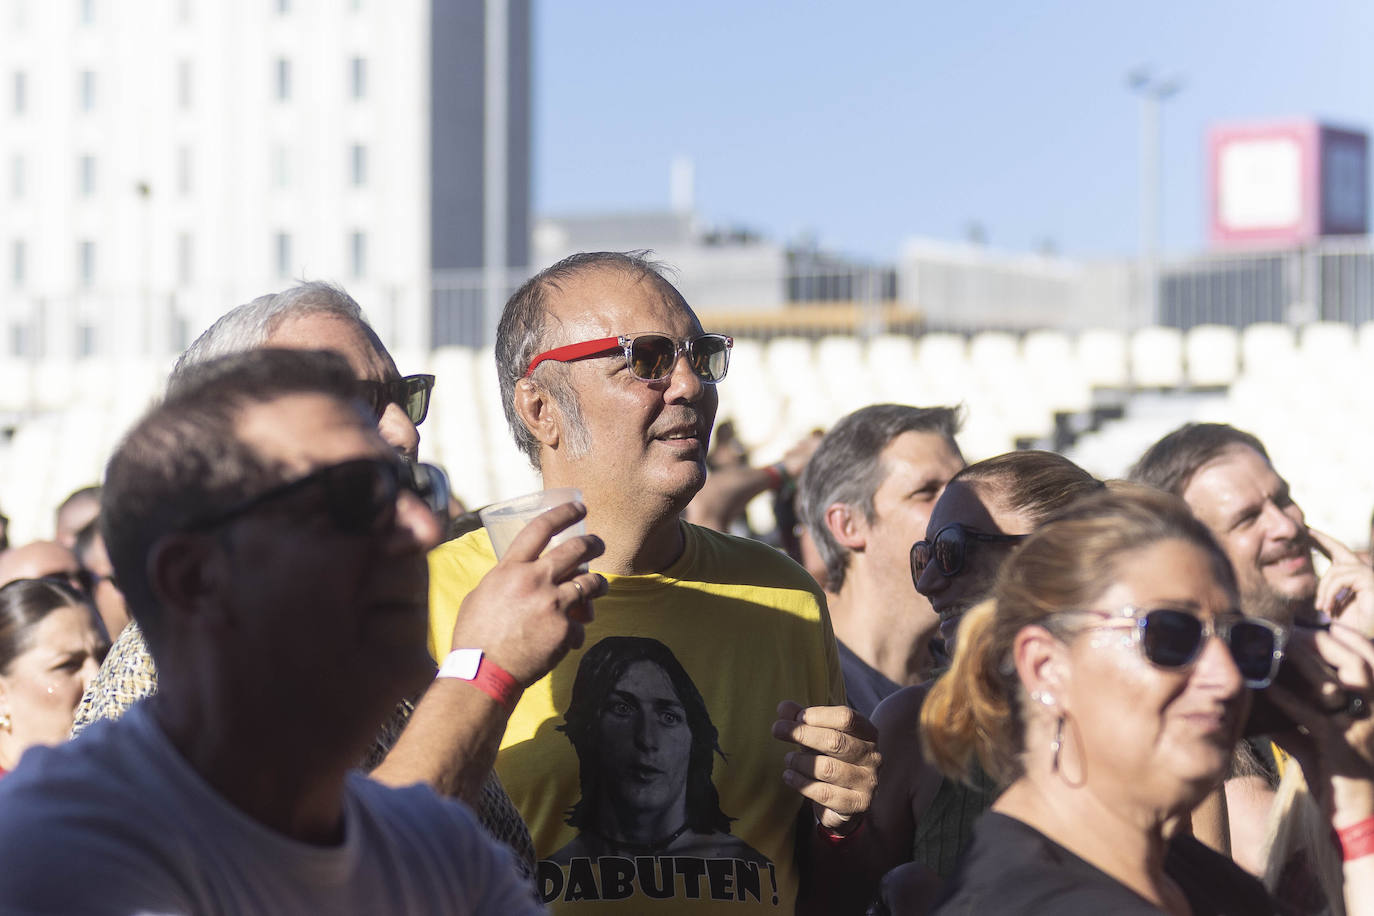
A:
(1057, 744)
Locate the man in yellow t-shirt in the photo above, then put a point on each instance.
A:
(646, 763)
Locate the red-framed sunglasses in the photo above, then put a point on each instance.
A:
(651, 357)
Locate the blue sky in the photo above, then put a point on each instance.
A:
(866, 123)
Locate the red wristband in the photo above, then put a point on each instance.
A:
(490, 678)
(1357, 840)
(835, 839)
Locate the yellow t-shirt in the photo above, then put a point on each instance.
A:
(717, 640)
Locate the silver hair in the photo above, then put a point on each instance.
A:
(247, 327)
(846, 469)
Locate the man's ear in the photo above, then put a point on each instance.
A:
(538, 412)
(187, 572)
(846, 526)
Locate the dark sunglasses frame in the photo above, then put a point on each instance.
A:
(628, 342)
(1150, 622)
(962, 536)
(426, 481)
(410, 393)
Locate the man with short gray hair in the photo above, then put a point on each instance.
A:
(866, 496)
(272, 547)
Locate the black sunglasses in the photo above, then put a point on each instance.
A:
(949, 548)
(1172, 638)
(411, 394)
(651, 357)
(357, 493)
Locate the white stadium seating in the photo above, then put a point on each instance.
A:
(1301, 390)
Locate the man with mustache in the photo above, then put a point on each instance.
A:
(1227, 479)
(1225, 476)
(608, 384)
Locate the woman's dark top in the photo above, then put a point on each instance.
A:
(946, 827)
(1011, 868)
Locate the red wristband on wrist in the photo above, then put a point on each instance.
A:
(497, 683)
(490, 678)
(1357, 840)
(835, 839)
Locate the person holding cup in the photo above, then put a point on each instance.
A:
(608, 383)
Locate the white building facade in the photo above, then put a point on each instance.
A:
(164, 160)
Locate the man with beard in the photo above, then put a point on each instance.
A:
(1227, 479)
(1225, 476)
(609, 385)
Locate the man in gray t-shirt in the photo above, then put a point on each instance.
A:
(270, 545)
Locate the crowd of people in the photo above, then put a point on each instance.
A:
(299, 679)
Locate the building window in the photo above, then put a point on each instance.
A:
(281, 167)
(184, 85)
(19, 259)
(357, 254)
(283, 254)
(85, 176)
(283, 79)
(17, 177)
(85, 339)
(357, 165)
(357, 78)
(85, 263)
(86, 83)
(19, 340)
(21, 92)
(185, 174)
(185, 259)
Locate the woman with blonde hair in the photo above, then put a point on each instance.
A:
(1106, 683)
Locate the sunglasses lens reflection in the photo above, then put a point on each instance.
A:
(1171, 638)
(949, 550)
(920, 557)
(416, 397)
(651, 356)
(710, 357)
(1252, 646)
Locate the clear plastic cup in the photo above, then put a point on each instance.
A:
(506, 519)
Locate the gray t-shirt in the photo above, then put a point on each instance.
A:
(117, 822)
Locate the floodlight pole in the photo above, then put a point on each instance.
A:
(1152, 93)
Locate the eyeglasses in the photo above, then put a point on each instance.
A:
(357, 493)
(411, 394)
(651, 357)
(1171, 638)
(949, 547)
